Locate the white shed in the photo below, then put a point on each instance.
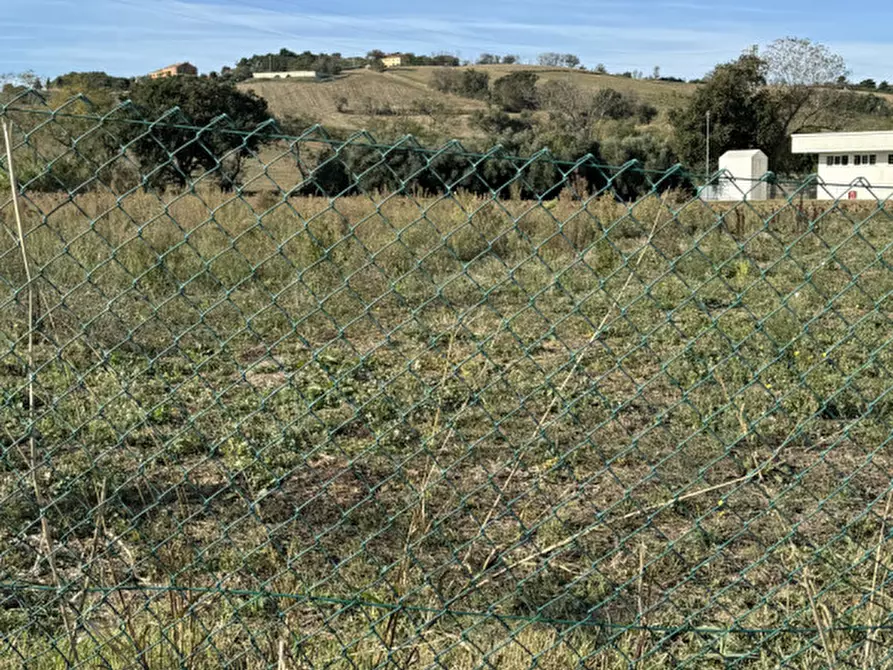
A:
(855, 166)
(742, 171)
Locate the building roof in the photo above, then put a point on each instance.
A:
(820, 143)
(744, 153)
(168, 67)
(285, 73)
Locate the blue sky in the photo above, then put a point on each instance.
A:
(684, 37)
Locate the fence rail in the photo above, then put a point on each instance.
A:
(288, 402)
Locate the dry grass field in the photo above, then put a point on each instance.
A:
(400, 431)
(405, 92)
(363, 91)
(412, 426)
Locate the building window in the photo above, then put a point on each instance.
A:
(872, 159)
(830, 160)
(844, 160)
(857, 160)
(889, 159)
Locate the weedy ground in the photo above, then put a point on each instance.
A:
(398, 431)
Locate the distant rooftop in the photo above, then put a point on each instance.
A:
(744, 152)
(168, 67)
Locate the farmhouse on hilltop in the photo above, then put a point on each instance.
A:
(394, 60)
(175, 70)
(855, 166)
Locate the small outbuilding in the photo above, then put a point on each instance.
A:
(742, 172)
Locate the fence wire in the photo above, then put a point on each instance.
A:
(278, 401)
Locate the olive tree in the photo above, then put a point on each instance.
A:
(172, 152)
(742, 111)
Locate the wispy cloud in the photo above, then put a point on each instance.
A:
(733, 9)
(684, 37)
(866, 59)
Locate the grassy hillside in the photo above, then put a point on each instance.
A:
(402, 99)
(661, 94)
(368, 96)
(373, 99)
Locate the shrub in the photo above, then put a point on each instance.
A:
(516, 92)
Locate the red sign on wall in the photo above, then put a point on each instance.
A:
(851, 195)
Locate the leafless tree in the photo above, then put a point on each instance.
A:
(803, 77)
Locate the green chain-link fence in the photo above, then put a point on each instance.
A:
(301, 402)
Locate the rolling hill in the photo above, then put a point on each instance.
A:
(353, 99)
(661, 94)
(400, 100)
(362, 98)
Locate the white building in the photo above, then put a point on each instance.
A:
(742, 173)
(741, 176)
(856, 166)
(293, 74)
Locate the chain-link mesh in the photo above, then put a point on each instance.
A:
(290, 402)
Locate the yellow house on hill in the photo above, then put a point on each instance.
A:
(175, 70)
(394, 60)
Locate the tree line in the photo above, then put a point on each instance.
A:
(172, 152)
(324, 63)
(755, 101)
(131, 151)
(520, 91)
